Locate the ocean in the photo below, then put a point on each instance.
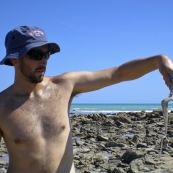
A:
(115, 108)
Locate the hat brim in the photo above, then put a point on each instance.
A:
(19, 53)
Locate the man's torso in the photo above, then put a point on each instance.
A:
(37, 131)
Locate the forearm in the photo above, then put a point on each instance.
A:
(136, 68)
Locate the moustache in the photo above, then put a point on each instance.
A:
(41, 68)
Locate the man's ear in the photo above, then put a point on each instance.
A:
(13, 61)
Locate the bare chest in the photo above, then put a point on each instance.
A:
(34, 119)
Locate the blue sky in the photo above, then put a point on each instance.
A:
(94, 35)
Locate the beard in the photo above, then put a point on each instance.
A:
(29, 74)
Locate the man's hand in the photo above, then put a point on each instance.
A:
(166, 69)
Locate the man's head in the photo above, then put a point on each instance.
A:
(32, 66)
(22, 39)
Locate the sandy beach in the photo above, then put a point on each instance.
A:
(128, 142)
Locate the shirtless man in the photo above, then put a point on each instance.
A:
(34, 109)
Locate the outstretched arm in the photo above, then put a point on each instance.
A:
(90, 81)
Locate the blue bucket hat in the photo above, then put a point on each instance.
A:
(22, 39)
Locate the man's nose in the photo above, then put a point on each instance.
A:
(43, 60)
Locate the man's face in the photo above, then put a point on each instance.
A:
(34, 70)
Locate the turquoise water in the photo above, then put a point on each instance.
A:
(115, 108)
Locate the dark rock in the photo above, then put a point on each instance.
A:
(114, 144)
(130, 155)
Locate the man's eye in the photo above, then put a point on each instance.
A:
(37, 56)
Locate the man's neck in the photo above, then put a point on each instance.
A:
(28, 88)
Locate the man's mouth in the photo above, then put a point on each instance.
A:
(41, 70)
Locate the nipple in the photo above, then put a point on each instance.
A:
(18, 141)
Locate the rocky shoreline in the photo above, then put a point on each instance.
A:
(121, 143)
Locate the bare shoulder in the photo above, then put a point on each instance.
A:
(5, 103)
(1, 106)
(5, 98)
(62, 82)
(64, 78)
(72, 77)
(3, 95)
(66, 81)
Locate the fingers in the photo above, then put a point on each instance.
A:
(166, 69)
(168, 84)
(166, 77)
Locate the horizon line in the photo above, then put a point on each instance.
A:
(118, 103)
